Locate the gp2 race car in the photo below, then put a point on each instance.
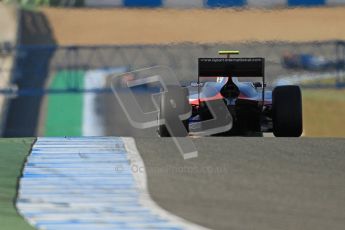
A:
(251, 108)
(310, 62)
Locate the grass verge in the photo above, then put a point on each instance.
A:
(13, 153)
(64, 111)
(324, 113)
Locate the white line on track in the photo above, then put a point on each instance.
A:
(141, 179)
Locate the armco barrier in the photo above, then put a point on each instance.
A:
(306, 2)
(33, 62)
(211, 3)
(179, 3)
(226, 3)
(142, 3)
(36, 65)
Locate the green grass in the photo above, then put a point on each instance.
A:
(13, 153)
(322, 82)
(336, 95)
(324, 113)
(64, 111)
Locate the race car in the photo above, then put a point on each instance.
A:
(310, 62)
(224, 93)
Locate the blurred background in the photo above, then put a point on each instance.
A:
(56, 56)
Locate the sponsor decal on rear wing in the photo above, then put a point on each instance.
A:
(231, 67)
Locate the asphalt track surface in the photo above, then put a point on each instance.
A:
(250, 183)
(236, 182)
(243, 182)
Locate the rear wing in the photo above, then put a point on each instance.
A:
(231, 67)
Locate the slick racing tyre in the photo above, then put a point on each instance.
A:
(174, 104)
(287, 111)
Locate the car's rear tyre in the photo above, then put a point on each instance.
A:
(287, 111)
(179, 95)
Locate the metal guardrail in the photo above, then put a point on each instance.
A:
(59, 3)
(43, 61)
(174, 3)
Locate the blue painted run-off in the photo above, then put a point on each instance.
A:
(143, 3)
(226, 3)
(306, 2)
